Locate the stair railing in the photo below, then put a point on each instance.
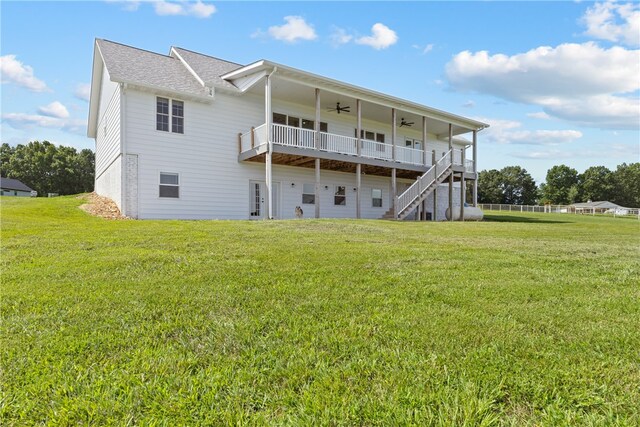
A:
(423, 182)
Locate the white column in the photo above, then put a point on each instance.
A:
(359, 151)
(424, 139)
(451, 176)
(317, 188)
(316, 126)
(394, 194)
(475, 167)
(267, 120)
(393, 133)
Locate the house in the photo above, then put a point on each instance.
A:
(599, 207)
(13, 187)
(190, 136)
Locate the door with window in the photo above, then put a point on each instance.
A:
(258, 200)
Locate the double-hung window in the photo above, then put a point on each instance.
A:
(169, 115)
(308, 194)
(169, 185)
(340, 196)
(376, 198)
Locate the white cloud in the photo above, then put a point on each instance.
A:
(296, 28)
(55, 109)
(14, 71)
(469, 104)
(614, 22)
(381, 37)
(539, 115)
(509, 132)
(610, 151)
(82, 91)
(570, 81)
(197, 9)
(339, 36)
(21, 121)
(424, 49)
(128, 5)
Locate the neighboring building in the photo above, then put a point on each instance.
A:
(13, 187)
(599, 207)
(190, 136)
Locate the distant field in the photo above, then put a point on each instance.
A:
(523, 319)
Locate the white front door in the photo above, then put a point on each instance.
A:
(258, 202)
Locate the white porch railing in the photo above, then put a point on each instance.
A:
(333, 143)
(409, 155)
(423, 182)
(376, 150)
(254, 138)
(457, 157)
(468, 165)
(338, 143)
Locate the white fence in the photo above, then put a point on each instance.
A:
(566, 209)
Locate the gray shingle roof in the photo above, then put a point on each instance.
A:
(13, 184)
(137, 66)
(208, 68)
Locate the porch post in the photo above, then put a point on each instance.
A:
(393, 133)
(475, 168)
(359, 151)
(424, 139)
(435, 190)
(316, 126)
(358, 184)
(267, 121)
(451, 176)
(317, 195)
(394, 195)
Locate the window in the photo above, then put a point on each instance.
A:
(169, 185)
(308, 194)
(372, 136)
(279, 119)
(162, 115)
(177, 118)
(413, 143)
(296, 122)
(340, 196)
(376, 198)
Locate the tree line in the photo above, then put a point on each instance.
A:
(49, 168)
(563, 186)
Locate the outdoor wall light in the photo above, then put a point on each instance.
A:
(326, 187)
(355, 189)
(293, 184)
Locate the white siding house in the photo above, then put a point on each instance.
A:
(190, 136)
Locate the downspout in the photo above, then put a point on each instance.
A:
(123, 150)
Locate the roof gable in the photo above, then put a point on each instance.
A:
(13, 184)
(207, 68)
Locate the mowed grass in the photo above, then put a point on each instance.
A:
(523, 319)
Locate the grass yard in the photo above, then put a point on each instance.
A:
(523, 319)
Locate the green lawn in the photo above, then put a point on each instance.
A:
(523, 319)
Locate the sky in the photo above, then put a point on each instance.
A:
(559, 82)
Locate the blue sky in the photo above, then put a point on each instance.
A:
(558, 81)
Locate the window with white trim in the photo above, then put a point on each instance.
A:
(340, 196)
(376, 198)
(169, 115)
(308, 194)
(169, 185)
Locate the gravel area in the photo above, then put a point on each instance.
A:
(100, 206)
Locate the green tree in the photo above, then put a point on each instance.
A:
(518, 187)
(596, 184)
(557, 188)
(6, 151)
(626, 179)
(48, 168)
(489, 186)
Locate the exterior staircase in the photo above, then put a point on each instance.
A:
(419, 190)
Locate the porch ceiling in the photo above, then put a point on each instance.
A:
(299, 93)
(333, 165)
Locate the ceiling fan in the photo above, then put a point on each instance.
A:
(405, 123)
(339, 108)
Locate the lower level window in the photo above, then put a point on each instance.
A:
(169, 185)
(309, 194)
(340, 196)
(376, 198)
